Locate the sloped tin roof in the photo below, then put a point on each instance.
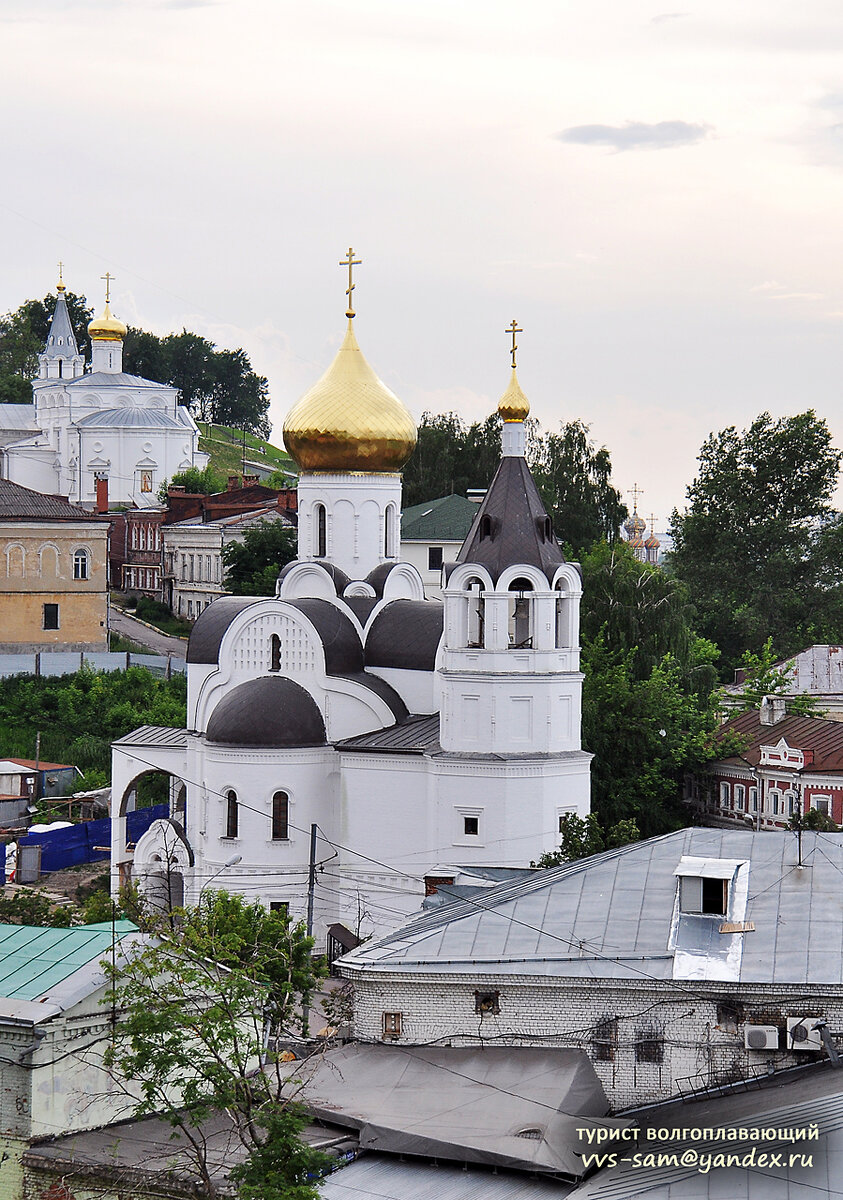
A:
(33, 959)
(823, 739)
(447, 519)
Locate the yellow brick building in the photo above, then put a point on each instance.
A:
(53, 573)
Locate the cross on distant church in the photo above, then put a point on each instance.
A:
(350, 261)
(635, 491)
(108, 278)
(60, 287)
(513, 329)
(652, 522)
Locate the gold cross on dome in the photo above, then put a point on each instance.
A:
(635, 491)
(108, 278)
(60, 287)
(513, 329)
(652, 522)
(350, 261)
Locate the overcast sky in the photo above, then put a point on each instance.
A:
(656, 196)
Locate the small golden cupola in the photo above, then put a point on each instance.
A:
(513, 404)
(106, 327)
(350, 420)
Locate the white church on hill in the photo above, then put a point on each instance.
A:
(424, 739)
(100, 424)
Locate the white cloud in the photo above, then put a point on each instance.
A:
(636, 135)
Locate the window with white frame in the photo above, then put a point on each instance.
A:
(81, 564)
(724, 795)
(706, 896)
(775, 798)
(822, 804)
(790, 803)
(740, 794)
(753, 799)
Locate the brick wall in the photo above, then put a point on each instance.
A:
(701, 1030)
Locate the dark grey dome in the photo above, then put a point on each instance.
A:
(406, 634)
(270, 712)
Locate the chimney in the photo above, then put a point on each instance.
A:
(250, 480)
(233, 482)
(476, 495)
(102, 493)
(773, 710)
(176, 489)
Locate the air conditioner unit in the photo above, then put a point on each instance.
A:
(801, 1034)
(761, 1037)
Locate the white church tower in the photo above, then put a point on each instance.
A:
(350, 436)
(511, 680)
(60, 358)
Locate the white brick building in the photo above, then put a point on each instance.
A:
(663, 960)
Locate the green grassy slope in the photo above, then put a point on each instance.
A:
(225, 446)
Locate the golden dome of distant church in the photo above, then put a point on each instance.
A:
(349, 420)
(107, 328)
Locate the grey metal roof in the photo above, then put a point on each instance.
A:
(517, 523)
(405, 634)
(789, 1101)
(613, 916)
(510, 1106)
(338, 577)
(380, 1177)
(153, 735)
(61, 340)
(134, 418)
(271, 711)
(22, 503)
(18, 417)
(414, 735)
(115, 379)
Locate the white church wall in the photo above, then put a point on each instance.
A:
(418, 689)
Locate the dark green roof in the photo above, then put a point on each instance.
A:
(447, 519)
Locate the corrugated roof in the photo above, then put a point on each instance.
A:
(823, 738)
(447, 519)
(33, 959)
(611, 916)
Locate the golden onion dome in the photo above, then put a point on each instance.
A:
(349, 420)
(513, 404)
(107, 328)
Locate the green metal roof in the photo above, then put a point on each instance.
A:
(34, 958)
(447, 519)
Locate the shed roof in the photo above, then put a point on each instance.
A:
(21, 503)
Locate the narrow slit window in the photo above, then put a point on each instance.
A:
(321, 531)
(231, 815)
(280, 817)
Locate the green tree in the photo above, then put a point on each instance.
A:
(252, 567)
(196, 1007)
(763, 675)
(203, 480)
(581, 837)
(574, 479)
(23, 335)
(451, 457)
(649, 699)
(758, 544)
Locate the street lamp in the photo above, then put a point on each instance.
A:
(231, 862)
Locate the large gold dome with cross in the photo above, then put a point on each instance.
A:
(349, 420)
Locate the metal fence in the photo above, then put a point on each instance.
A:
(61, 848)
(67, 662)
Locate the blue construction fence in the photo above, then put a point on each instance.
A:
(69, 847)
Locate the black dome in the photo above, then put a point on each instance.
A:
(406, 634)
(270, 712)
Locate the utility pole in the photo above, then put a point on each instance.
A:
(311, 888)
(38, 765)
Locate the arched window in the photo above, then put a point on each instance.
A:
(231, 815)
(475, 613)
(520, 615)
(388, 532)
(321, 531)
(275, 652)
(280, 817)
(485, 528)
